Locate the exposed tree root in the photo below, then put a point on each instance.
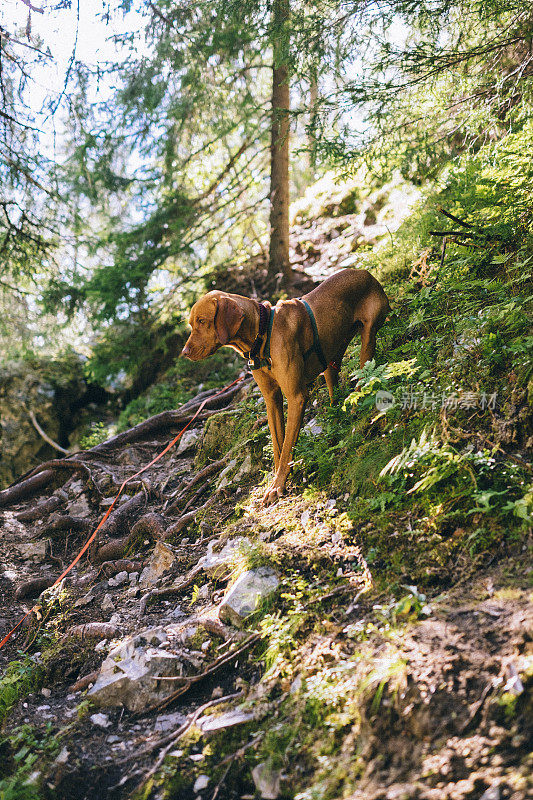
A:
(170, 741)
(43, 509)
(27, 488)
(92, 630)
(150, 524)
(186, 518)
(167, 420)
(112, 550)
(191, 680)
(186, 485)
(84, 682)
(34, 587)
(110, 568)
(67, 523)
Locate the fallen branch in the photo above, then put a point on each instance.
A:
(44, 435)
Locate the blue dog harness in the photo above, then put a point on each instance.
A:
(254, 362)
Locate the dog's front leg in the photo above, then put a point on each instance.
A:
(295, 413)
(274, 406)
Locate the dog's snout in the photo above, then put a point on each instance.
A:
(185, 353)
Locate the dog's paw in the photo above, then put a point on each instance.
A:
(272, 495)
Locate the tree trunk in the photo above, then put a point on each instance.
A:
(279, 148)
(311, 136)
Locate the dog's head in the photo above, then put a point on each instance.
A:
(215, 320)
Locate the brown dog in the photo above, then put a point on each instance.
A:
(350, 301)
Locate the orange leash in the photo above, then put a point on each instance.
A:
(109, 510)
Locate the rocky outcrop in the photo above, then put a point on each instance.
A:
(54, 392)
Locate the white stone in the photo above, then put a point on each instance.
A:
(107, 603)
(128, 674)
(161, 560)
(313, 427)
(200, 783)
(247, 594)
(216, 565)
(267, 781)
(102, 720)
(119, 579)
(189, 440)
(214, 723)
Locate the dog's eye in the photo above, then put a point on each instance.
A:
(202, 321)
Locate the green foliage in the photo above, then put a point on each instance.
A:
(179, 384)
(29, 750)
(97, 433)
(20, 678)
(370, 378)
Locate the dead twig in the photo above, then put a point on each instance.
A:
(215, 666)
(43, 434)
(168, 591)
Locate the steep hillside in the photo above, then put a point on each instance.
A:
(369, 636)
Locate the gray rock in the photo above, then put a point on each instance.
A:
(107, 603)
(160, 562)
(267, 781)
(313, 427)
(214, 723)
(200, 783)
(80, 507)
(169, 722)
(119, 579)
(224, 479)
(33, 550)
(127, 676)
(247, 594)
(102, 720)
(189, 440)
(216, 564)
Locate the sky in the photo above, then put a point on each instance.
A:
(62, 33)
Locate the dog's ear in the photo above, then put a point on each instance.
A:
(228, 319)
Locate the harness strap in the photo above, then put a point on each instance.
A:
(263, 322)
(253, 361)
(316, 346)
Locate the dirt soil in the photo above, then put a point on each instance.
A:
(454, 721)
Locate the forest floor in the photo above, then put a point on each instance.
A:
(383, 644)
